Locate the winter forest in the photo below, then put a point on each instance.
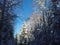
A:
(38, 22)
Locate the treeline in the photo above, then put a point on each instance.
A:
(43, 24)
(42, 27)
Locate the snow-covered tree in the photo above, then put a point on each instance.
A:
(25, 35)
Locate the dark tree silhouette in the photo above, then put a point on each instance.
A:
(7, 18)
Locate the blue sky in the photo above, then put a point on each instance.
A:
(26, 11)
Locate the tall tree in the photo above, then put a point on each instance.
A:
(55, 35)
(6, 21)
